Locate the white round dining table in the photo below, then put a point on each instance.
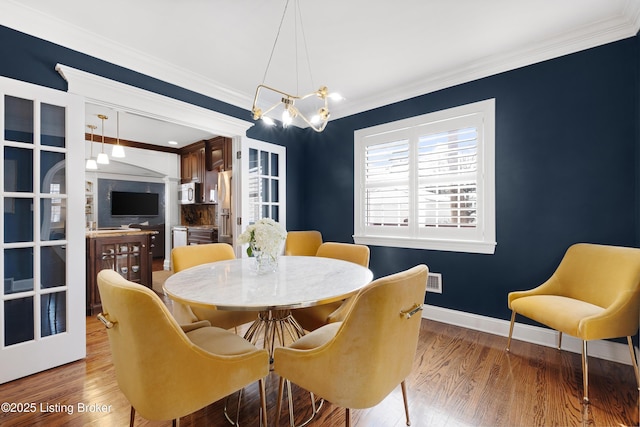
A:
(297, 282)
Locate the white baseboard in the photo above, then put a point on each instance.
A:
(607, 350)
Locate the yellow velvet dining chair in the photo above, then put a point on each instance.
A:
(357, 362)
(183, 257)
(302, 243)
(312, 318)
(594, 294)
(165, 371)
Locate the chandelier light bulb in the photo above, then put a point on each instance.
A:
(268, 120)
(286, 118)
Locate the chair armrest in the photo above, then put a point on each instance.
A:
(195, 325)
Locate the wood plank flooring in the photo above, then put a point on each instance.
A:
(460, 378)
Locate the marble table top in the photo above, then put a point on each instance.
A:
(299, 281)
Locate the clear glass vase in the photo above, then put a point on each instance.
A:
(264, 263)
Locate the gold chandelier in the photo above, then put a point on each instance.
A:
(319, 116)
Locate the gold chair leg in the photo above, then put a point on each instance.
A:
(290, 399)
(406, 404)
(279, 401)
(559, 340)
(633, 361)
(176, 422)
(585, 373)
(347, 417)
(263, 403)
(513, 319)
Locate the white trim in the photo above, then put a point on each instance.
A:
(480, 114)
(130, 99)
(602, 349)
(470, 246)
(34, 22)
(625, 25)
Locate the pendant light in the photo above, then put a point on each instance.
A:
(103, 159)
(316, 103)
(91, 162)
(118, 150)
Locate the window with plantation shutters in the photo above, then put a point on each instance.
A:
(428, 182)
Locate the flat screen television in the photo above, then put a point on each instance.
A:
(130, 203)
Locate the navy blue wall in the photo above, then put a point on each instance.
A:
(566, 161)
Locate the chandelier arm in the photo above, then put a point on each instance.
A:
(262, 86)
(312, 125)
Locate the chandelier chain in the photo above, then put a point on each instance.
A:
(275, 42)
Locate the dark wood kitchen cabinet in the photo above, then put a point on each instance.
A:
(192, 167)
(218, 154)
(202, 161)
(128, 253)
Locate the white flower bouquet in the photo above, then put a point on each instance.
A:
(265, 236)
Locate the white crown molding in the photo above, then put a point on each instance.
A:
(119, 96)
(33, 22)
(602, 349)
(22, 18)
(626, 25)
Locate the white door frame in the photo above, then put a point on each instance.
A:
(41, 353)
(242, 184)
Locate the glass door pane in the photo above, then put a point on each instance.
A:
(264, 183)
(263, 178)
(29, 262)
(42, 226)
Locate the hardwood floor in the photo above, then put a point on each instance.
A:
(460, 378)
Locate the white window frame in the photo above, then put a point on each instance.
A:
(482, 238)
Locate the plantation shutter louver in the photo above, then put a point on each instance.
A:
(447, 173)
(387, 184)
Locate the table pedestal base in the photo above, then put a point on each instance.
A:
(274, 325)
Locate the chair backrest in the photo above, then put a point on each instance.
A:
(149, 349)
(598, 274)
(183, 257)
(302, 243)
(376, 344)
(357, 254)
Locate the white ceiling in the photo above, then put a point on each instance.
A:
(371, 52)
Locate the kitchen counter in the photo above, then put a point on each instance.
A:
(115, 232)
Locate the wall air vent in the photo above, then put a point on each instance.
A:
(434, 283)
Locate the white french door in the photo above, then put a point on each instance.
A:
(263, 183)
(42, 299)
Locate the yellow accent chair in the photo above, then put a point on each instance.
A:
(594, 294)
(183, 257)
(356, 363)
(302, 243)
(165, 371)
(312, 318)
